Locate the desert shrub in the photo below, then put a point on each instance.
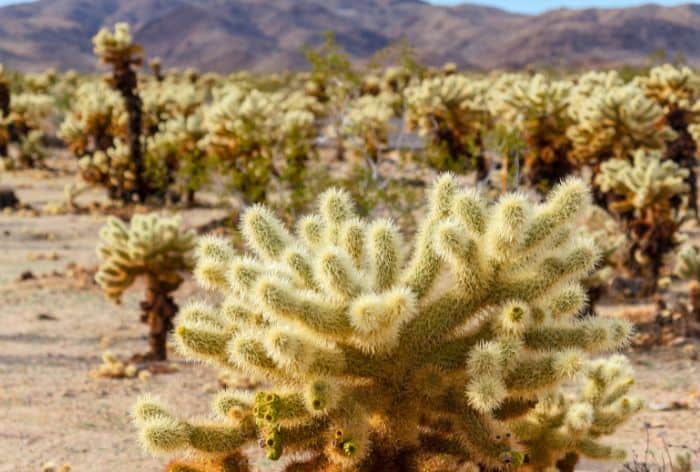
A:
(156, 249)
(381, 356)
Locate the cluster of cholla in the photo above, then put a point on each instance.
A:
(174, 159)
(255, 133)
(448, 355)
(23, 125)
(93, 128)
(368, 126)
(643, 193)
(616, 122)
(155, 248)
(452, 114)
(538, 108)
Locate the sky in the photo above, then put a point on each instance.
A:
(538, 6)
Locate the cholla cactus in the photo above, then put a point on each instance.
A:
(152, 247)
(29, 112)
(166, 100)
(256, 134)
(5, 101)
(688, 265)
(615, 122)
(383, 359)
(688, 268)
(564, 427)
(677, 90)
(118, 50)
(643, 197)
(174, 159)
(539, 109)
(612, 242)
(97, 122)
(591, 84)
(452, 114)
(367, 126)
(672, 87)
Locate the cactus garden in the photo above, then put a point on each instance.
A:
(356, 267)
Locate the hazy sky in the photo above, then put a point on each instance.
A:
(536, 6)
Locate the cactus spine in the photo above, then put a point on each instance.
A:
(381, 358)
(155, 248)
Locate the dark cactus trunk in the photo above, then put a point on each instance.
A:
(5, 111)
(159, 309)
(682, 151)
(125, 81)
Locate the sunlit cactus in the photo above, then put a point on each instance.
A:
(155, 248)
(612, 242)
(168, 99)
(688, 268)
(28, 115)
(562, 428)
(613, 123)
(677, 90)
(452, 115)
(383, 357)
(257, 135)
(367, 127)
(538, 108)
(118, 50)
(644, 195)
(174, 161)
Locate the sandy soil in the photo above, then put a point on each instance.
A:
(54, 327)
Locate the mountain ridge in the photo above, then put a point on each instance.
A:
(268, 35)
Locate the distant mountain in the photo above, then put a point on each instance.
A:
(268, 35)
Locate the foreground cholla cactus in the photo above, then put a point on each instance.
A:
(644, 195)
(385, 359)
(157, 249)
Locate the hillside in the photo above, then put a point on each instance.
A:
(267, 35)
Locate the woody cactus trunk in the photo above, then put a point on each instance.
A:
(157, 249)
(118, 50)
(4, 111)
(449, 356)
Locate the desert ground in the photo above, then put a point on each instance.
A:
(56, 324)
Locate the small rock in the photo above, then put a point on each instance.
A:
(46, 317)
(8, 199)
(27, 275)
